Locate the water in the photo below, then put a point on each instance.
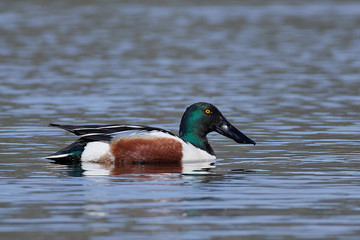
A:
(285, 73)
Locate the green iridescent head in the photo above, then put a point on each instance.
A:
(202, 118)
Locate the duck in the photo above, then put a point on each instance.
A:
(144, 144)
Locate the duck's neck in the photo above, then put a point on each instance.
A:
(195, 138)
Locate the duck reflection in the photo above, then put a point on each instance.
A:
(78, 168)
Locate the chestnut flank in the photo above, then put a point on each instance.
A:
(147, 150)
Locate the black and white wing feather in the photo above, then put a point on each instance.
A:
(106, 132)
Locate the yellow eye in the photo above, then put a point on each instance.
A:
(207, 111)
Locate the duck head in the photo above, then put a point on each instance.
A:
(202, 118)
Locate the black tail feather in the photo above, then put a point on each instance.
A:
(71, 152)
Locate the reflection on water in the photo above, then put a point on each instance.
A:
(285, 72)
(117, 168)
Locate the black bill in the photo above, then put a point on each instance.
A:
(228, 130)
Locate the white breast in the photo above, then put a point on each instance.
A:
(192, 153)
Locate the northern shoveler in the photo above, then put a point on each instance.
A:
(144, 144)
